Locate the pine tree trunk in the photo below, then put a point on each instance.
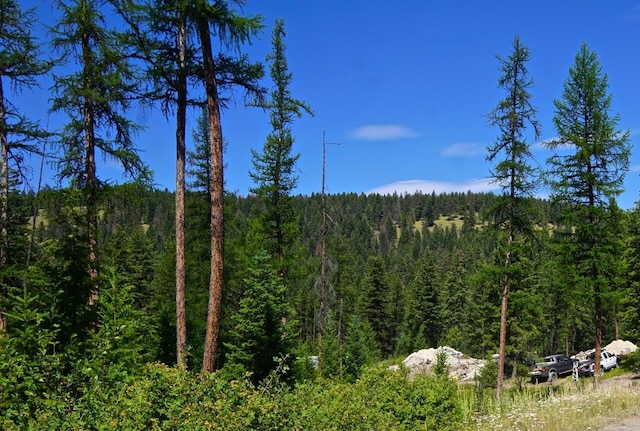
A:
(181, 320)
(217, 195)
(503, 324)
(323, 265)
(90, 172)
(507, 264)
(598, 301)
(4, 217)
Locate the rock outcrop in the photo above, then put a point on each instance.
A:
(461, 367)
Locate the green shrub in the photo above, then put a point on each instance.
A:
(488, 376)
(632, 361)
(522, 374)
(379, 399)
(422, 402)
(165, 398)
(441, 368)
(485, 387)
(304, 369)
(360, 347)
(30, 368)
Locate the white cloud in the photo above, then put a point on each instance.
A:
(427, 187)
(382, 132)
(111, 163)
(542, 145)
(560, 146)
(463, 150)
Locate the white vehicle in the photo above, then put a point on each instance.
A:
(608, 361)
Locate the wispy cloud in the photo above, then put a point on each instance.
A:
(111, 163)
(383, 132)
(427, 187)
(543, 145)
(463, 149)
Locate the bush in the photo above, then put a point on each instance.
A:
(30, 368)
(360, 348)
(379, 399)
(441, 368)
(632, 361)
(45, 389)
(488, 377)
(522, 374)
(486, 383)
(423, 402)
(165, 398)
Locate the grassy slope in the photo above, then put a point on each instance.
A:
(565, 405)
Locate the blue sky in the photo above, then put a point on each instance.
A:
(404, 88)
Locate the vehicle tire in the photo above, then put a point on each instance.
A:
(553, 376)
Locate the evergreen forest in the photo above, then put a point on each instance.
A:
(124, 306)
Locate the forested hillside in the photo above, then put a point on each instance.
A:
(414, 271)
(124, 306)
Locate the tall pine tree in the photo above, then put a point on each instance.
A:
(588, 179)
(95, 97)
(262, 331)
(422, 325)
(514, 210)
(375, 302)
(20, 68)
(166, 34)
(274, 169)
(275, 227)
(233, 30)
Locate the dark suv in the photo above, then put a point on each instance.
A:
(551, 368)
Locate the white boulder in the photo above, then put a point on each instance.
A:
(620, 347)
(461, 367)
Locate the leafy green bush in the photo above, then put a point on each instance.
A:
(304, 369)
(165, 398)
(441, 368)
(488, 376)
(522, 374)
(45, 389)
(632, 361)
(486, 383)
(30, 370)
(360, 347)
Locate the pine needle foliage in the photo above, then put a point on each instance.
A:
(586, 175)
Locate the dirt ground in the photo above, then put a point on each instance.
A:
(631, 423)
(628, 424)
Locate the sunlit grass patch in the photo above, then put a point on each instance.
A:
(567, 406)
(616, 372)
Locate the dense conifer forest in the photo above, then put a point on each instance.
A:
(129, 307)
(415, 268)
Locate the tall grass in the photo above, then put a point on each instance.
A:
(566, 406)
